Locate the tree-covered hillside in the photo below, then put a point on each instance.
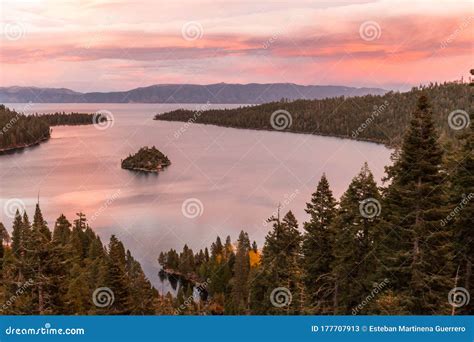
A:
(407, 248)
(373, 118)
(70, 272)
(18, 130)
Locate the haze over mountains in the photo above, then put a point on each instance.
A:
(252, 93)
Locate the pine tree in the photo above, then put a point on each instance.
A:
(17, 234)
(241, 272)
(317, 249)
(279, 277)
(462, 204)
(354, 231)
(417, 249)
(39, 262)
(142, 294)
(117, 278)
(62, 231)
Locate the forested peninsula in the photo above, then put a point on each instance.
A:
(19, 130)
(375, 118)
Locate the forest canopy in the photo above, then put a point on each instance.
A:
(376, 118)
(18, 130)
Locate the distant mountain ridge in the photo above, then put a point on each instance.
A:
(252, 93)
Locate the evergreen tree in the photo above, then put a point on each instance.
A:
(417, 254)
(142, 294)
(318, 249)
(241, 272)
(280, 268)
(17, 234)
(117, 278)
(354, 231)
(39, 262)
(62, 231)
(462, 204)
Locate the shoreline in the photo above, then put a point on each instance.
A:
(140, 169)
(24, 146)
(373, 141)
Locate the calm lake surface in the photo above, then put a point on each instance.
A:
(239, 177)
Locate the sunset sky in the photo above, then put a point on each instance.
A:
(103, 45)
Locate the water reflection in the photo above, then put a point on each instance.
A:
(240, 176)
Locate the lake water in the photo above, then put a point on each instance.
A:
(230, 179)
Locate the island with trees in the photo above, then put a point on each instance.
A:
(348, 249)
(147, 159)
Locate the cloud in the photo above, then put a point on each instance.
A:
(268, 41)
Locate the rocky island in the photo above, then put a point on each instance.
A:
(146, 160)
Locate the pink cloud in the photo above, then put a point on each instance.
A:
(229, 50)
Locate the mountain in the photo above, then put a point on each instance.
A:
(252, 93)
